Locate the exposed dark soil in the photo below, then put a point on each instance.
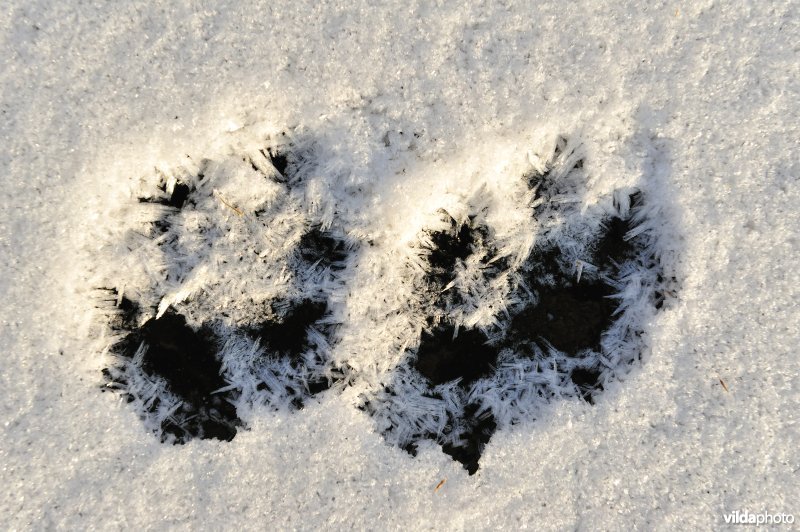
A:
(321, 248)
(570, 318)
(186, 359)
(559, 312)
(442, 358)
(588, 382)
(288, 335)
(448, 247)
(612, 248)
(279, 161)
(565, 313)
(180, 193)
(470, 448)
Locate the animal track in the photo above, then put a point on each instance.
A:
(564, 332)
(225, 300)
(182, 363)
(179, 372)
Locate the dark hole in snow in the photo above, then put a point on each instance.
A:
(473, 440)
(320, 248)
(588, 382)
(448, 249)
(182, 356)
(444, 355)
(288, 335)
(126, 311)
(442, 358)
(612, 248)
(186, 360)
(570, 318)
(282, 158)
(279, 160)
(318, 385)
(562, 313)
(180, 193)
(450, 246)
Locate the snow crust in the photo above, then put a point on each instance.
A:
(408, 108)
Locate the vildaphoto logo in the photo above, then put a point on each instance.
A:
(764, 518)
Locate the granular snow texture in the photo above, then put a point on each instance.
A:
(214, 174)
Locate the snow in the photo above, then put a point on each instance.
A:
(697, 104)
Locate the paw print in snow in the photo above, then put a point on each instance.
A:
(227, 239)
(223, 300)
(571, 321)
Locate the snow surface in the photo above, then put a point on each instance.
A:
(697, 103)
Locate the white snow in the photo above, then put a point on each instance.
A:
(404, 109)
